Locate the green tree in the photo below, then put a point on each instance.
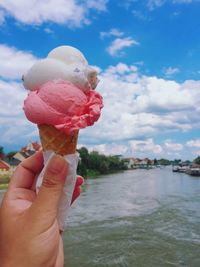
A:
(176, 161)
(95, 160)
(104, 167)
(164, 162)
(155, 162)
(96, 163)
(2, 152)
(84, 161)
(82, 170)
(197, 160)
(84, 155)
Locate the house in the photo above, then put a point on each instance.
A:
(4, 167)
(133, 163)
(26, 152)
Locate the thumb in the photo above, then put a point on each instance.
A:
(45, 207)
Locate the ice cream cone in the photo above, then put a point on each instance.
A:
(55, 140)
(61, 96)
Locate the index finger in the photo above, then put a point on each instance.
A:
(25, 174)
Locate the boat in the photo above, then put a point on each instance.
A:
(184, 168)
(175, 169)
(193, 171)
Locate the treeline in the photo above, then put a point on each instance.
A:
(93, 163)
(197, 160)
(166, 162)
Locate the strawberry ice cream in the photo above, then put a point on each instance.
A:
(63, 105)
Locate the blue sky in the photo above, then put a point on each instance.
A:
(148, 57)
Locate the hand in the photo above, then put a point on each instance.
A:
(29, 232)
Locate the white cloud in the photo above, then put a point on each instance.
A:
(14, 63)
(193, 143)
(99, 5)
(119, 44)
(48, 30)
(13, 125)
(152, 4)
(170, 145)
(183, 1)
(145, 146)
(113, 32)
(196, 153)
(107, 149)
(12, 95)
(121, 68)
(144, 106)
(36, 12)
(2, 18)
(171, 71)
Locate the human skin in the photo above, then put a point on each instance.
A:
(29, 232)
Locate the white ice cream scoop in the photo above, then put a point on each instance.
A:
(68, 54)
(65, 63)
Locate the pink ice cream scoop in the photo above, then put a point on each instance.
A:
(63, 105)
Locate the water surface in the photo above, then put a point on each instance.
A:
(141, 218)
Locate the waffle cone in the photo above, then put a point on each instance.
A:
(57, 141)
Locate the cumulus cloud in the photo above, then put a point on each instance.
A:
(107, 149)
(121, 68)
(145, 146)
(13, 124)
(48, 30)
(59, 11)
(2, 18)
(172, 146)
(184, 1)
(119, 44)
(140, 106)
(170, 71)
(13, 63)
(99, 5)
(193, 143)
(113, 32)
(196, 153)
(152, 4)
(193, 146)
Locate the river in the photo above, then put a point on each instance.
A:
(139, 218)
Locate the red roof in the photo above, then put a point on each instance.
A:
(4, 165)
(36, 146)
(32, 146)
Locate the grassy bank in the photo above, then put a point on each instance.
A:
(4, 180)
(92, 174)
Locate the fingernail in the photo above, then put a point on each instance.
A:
(56, 164)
